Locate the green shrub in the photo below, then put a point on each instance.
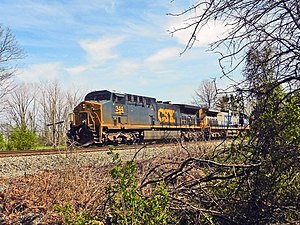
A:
(127, 204)
(2, 143)
(21, 138)
(73, 218)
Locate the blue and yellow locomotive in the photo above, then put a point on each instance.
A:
(106, 117)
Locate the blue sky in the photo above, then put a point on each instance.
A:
(118, 45)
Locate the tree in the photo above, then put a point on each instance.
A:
(34, 106)
(250, 25)
(73, 98)
(254, 180)
(259, 71)
(225, 103)
(9, 53)
(206, 94)
(56, 104)
(23, 107)
(53, 104)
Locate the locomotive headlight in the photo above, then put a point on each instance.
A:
(83, 105)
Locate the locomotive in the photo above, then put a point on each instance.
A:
(110, 117)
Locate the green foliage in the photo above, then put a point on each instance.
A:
(22, 139)
(278, 142)
(283, 119)
(2, 143)
(268, 193)
(73, 218)
(226, 102)
(127, 204)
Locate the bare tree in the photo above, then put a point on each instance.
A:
(56, 104)
(53, 109)
(74, 97)
(250, 25)
(206, 94)
(23, 107)
(36, 106)
(9, 53)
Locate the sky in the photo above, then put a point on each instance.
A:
(121, 45)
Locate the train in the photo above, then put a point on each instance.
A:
(110, 117)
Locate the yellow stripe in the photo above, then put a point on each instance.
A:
(140, 126)
(148, 127)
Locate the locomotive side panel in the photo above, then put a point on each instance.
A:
(168, 115)
(107, 111)
(189, 116)
(139, 115)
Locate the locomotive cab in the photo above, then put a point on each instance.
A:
(85, 123)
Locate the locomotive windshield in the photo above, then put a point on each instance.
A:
(83, 117)
(98, 96)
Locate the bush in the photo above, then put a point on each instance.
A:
(2, 143)
(21, 138)
(127, 203)
(73, 218)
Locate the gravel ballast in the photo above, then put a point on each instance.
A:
(11, 167)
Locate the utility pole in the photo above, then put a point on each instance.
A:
(54, 131)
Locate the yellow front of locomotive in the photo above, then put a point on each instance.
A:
(85, 123)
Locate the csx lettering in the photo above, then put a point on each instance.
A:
(166, 115)
(119, 109)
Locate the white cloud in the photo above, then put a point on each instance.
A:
(127, 67)
(76, 70)
(97, 52)
(102, 49)
(38, 72)
(209, 33)
(92, 5)
(163, 55)
(51, 14)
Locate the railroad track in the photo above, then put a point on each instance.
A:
(76, 149)
(17, 153)
(33, 152)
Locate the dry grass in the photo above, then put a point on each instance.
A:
(83, 187)
(35, 195)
